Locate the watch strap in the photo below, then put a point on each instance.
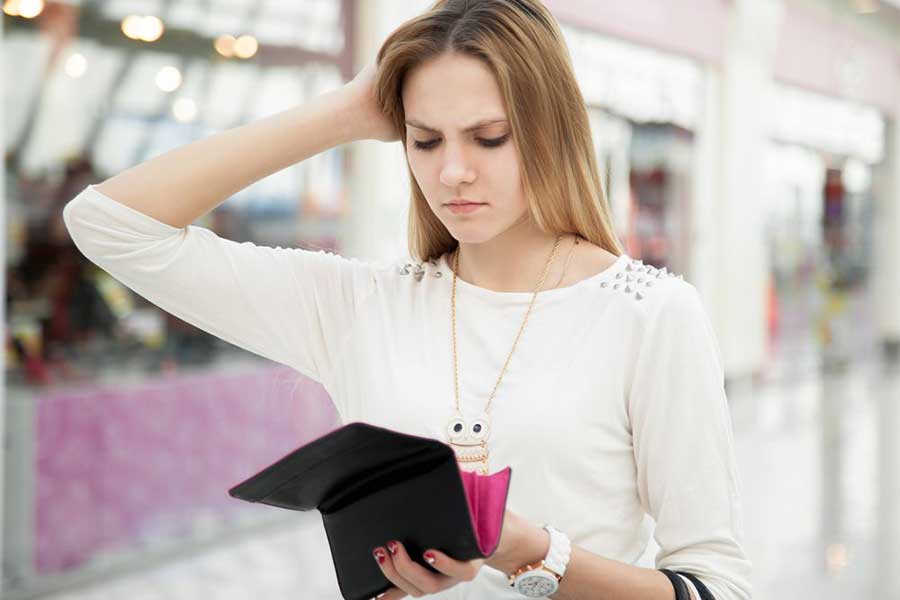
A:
(560, 551)
(555, 561)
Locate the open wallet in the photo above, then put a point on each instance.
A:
(372, 485)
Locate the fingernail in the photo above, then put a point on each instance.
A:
(392, 547)
(379, 555)
(429, 557)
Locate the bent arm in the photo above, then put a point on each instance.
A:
(290, 305)
(687, 475)
(185, 183)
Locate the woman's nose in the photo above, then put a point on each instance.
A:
(456, 169)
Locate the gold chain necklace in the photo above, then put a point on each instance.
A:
(568, 260)
(469, 436)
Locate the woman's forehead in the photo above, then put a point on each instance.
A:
(451, 92)
(479, 124)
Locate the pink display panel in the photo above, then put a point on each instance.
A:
(119, 468)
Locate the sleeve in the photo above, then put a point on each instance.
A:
(290, 305)
(684, 448)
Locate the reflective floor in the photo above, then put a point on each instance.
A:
(820, 466)
(820, 463)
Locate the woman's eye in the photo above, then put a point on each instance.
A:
(494, 142)
(425, 145)
(487, 143)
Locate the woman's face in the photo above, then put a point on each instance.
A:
(442, 98)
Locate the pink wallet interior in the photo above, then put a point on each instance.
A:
(487, 505)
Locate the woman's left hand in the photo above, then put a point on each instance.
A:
(411, 578)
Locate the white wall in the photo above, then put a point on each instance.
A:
(886, 268)
(379, 184)
(737, 276)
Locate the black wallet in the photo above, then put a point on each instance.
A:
(372, 485)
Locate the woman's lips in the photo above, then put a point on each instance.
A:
(465, 208)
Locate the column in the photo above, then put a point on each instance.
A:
(886, 263)
(378, 180)
(736, 279)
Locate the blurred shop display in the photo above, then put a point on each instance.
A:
(130, 468)
(98, 93)
(820, 222)
(660, 183)
(643, 105)
(125, 426)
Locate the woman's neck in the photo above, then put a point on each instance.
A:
(512, 261)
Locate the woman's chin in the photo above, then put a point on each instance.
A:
(470, 235)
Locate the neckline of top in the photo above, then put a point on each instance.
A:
(604, 275)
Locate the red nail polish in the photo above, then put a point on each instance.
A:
(379, 555)
(429, 557)
(392, 547)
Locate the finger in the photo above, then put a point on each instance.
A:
(415, 573)
(390, 571)
(455, 569)
(392, 594)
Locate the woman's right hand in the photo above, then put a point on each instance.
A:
(372, 123)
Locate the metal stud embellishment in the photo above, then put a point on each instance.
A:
(417, 269)
(634, 281)
(637, 278)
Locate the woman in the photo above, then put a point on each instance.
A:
(518, 325)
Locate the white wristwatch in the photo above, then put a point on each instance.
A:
(542, 578)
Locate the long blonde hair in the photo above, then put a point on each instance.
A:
(522, 45)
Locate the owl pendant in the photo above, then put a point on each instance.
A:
(468, 436)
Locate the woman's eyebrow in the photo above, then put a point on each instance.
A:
(478, 125)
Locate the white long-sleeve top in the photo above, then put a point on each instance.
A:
(612, 407)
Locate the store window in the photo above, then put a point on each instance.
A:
(644, 105)
(125, 426)
(819, 208)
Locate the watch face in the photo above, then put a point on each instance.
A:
(536, 584)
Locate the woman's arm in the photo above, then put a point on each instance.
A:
(290, 305)
(587, 575)
(686, 472)
(181, 185)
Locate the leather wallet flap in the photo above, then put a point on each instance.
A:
(312, 473)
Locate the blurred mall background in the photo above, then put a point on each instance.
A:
(751, 145)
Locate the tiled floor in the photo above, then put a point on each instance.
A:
(819, 463)
(265, 566)
(821, 490)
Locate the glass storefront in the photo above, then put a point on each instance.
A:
(819, 204)
(125, 425)
(643, 105)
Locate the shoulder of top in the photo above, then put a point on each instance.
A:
(663, 294)
(655, 293)
(645, 283)
(416, 270)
